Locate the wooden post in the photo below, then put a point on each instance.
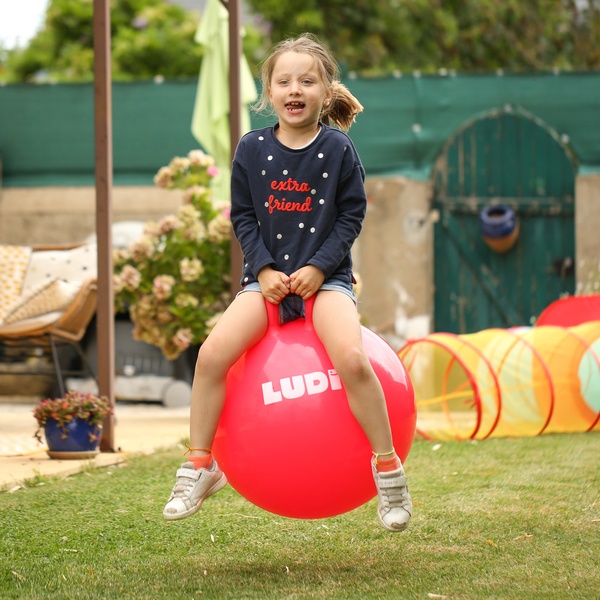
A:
(103, 164)
(235, 122)
(235, 55)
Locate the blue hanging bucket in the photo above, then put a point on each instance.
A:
(499, 227)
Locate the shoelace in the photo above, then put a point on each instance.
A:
(396, 497)
(182, 486)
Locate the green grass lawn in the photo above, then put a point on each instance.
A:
(506, 518)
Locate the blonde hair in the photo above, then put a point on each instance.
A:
(342, 109)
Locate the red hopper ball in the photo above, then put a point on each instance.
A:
(287, 440)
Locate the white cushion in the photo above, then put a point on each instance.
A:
(30, 324)
(73, 266)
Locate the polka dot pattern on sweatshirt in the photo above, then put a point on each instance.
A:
(299, 187)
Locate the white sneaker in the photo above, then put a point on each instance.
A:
(395, 506)
(192, 488)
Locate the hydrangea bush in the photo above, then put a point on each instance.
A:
(175, 280)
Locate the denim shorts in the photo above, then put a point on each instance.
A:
(332, 284)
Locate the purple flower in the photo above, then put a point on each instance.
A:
(139, 23)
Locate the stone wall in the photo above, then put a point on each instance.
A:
(587, 240)
(393, 256)
(57, 215)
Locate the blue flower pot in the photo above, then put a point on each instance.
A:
(81, 442)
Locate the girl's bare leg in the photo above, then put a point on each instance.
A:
(242, 325)
(337, 325)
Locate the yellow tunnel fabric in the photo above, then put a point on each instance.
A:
(515, 382)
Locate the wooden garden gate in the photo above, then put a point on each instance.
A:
(505, 156)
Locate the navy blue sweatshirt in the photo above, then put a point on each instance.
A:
(292, 208)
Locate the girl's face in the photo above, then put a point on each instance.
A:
(297, 91)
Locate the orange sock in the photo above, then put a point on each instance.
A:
(387, 464)
(201, 462)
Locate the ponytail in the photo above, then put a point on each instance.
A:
(342, 109)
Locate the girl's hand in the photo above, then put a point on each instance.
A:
(306, 281)
(274, 285)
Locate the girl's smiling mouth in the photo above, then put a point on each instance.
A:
(294, 106)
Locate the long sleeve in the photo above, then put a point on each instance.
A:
(351, 206)
(245, 222)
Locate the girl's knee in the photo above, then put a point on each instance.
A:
(354, 365)
(211, 363)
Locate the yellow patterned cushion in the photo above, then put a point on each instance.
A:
(56, 295)
(13, 266)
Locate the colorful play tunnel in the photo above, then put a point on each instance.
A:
(506, 382)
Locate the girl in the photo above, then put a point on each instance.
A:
(298, 203)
